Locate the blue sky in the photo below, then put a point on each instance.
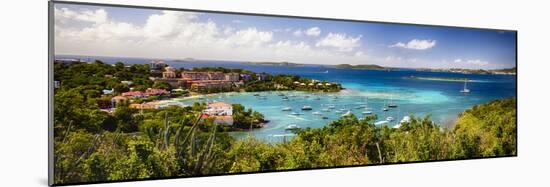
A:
(131, 32)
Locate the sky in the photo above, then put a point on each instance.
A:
(148, 33)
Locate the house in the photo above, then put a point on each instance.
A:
(152, 91)
(169, 73)
(149, 105)
(157, 65)
(134, 94)
(117, 100)
(219, 109)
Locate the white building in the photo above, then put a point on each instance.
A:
(219, 109)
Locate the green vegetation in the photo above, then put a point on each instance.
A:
(246, 119)
(364, 66)
(176, 142)
(291, 82)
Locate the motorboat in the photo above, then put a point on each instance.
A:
(307, 107)
(292, 126)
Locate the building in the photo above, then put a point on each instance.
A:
(149, 105)
(190, 75)
(134, 94)
(220, 120)
(117, 101)
(233, 77)
(169, 73)
(153, 91)
(216, 75)
(157, 65)
(204, 85)
(219, 109)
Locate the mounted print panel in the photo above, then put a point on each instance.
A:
(140, 93)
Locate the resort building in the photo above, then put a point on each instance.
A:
(233, 77)
(204, 85)
(219, 109)
(190, 75)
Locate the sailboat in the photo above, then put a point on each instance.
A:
(465, 89)
(367, 109)
(392, 104)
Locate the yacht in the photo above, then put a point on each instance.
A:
(324, 117)
(325, 109)
(381, 122)
(292, 126)
(367, 112)
(465, 89)
(316, 113)
(389, 118)
(295, 113)
(347, 114)
(306, 107)
(385, 109)
(287, 109)
(331, 106)
(392, 104)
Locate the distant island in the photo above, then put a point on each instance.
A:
(454, 79)
(275, 63)
(507, 71)
(185, 60)
(364, 66)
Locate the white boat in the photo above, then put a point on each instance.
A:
(286, 109)
(295, 113)
(306, 107)
(465, 89)
(392, 104)
(331, 106)
(367, 112)
(338, 111)
(385, 109)
(325, 109)
(381, 122)
(347, 113)
(316, 113)
(292, 126)
(389, 118)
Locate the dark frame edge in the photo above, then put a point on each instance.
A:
(50, 93)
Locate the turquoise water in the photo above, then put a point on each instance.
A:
(441, 99)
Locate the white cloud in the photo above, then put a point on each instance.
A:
(313, 31)
(340, 41)
(171, 34)
(250, 36)
(393, 58)
(415, 44)
(297, 33)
